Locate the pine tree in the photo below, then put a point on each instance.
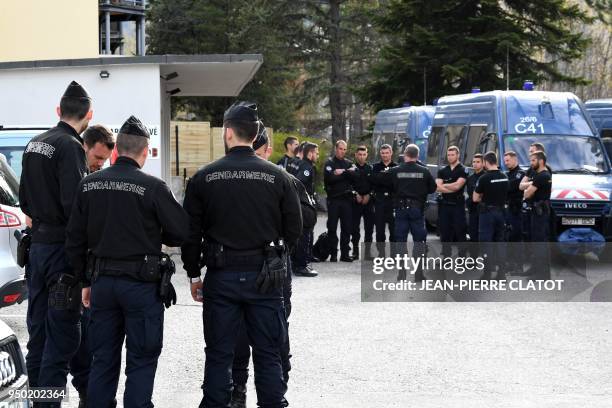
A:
(445, 47)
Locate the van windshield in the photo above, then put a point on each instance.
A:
(565, 154)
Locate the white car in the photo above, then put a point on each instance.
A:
(13, 373)
(12, 277)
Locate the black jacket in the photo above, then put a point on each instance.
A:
(53, 164)
(122, 213)
(338, 186)
(241, 202)
(378, 179)
(306, 174)
(362, 178)
(411, 181)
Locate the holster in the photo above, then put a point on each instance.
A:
(65, 294)
(167, 269)
(274, 269)
(214, 256)
(24, 241)
(541, 208)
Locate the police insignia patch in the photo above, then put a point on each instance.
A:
(328, 168)
(306, 173)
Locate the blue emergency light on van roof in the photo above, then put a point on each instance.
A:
(406, 105)
(528, 85)
(476, 89)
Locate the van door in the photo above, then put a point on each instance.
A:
(606, 138)
(472, 146)
(434, 149)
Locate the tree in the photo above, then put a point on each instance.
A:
(336, 42)
(442, 47)
(237, 26)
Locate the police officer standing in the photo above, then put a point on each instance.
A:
(291, 143)
(411, 184)
(383, 201)
(515, 196)
(363, 205)
(122, 216)
(99, 143)
(306, 175)
(538, 194)
(451, 206)
(514, 204)
(242, 353)
(338, 177)
(53, 164)
(242, 207)
(472, 207)
(491, 192)
(524, 184)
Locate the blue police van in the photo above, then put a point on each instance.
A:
(502, 121)
(402, 126)
(600, 111)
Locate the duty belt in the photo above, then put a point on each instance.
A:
(243, 258)
(145, 270)
(484, 208)
(220, 257)
(408, 203)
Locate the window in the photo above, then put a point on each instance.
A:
(606, 138)
(454, 136)
(474, 136)
(433, 147)
(9, 186)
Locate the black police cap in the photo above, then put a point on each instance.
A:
(133, 126)
(242, 111)
(75, 90)
(262, 136)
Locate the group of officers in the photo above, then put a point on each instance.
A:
(97, 276)
(511, 206)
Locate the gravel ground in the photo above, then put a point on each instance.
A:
(352, 354)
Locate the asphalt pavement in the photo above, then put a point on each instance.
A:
(352, 354)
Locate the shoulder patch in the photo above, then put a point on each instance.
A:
(306, 173)
(328, 168)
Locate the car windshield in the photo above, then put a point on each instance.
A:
(571, 154)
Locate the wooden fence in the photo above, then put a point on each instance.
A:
(199, 144)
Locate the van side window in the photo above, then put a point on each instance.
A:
(474, 136)
(433, 146)
(455, 136)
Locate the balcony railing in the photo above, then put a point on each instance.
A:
(139, 4)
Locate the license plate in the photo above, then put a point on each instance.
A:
(577, 221)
